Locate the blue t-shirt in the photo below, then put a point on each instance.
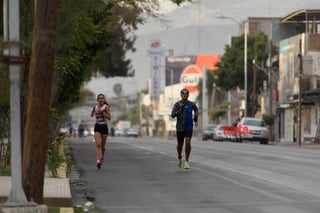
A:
(185, 118)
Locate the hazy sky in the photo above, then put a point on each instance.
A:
(193, 29)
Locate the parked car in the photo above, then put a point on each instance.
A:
(120, 132)
(219, 133)
(64, 130)
(230, 132)
(132, 132)
(208, 132)
(253, 129)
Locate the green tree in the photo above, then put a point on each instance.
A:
(210, 80)
(111, 60)
(230, 73)
(63, 41)
(4, 119)
(219, 111)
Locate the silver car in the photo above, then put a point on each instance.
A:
(219, 133)
(253, 129)
(208, 132)
(132, 132)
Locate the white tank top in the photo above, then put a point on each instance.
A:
(100, 118)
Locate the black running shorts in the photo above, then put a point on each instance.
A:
(184, 134)
(101, 128)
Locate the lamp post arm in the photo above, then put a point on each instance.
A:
(228, 17)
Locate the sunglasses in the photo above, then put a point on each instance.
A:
(184, 93)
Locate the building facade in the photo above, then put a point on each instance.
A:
(299, 82)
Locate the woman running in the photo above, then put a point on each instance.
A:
(102, 113)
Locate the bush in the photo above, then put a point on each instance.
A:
(53, 162)
(268, 119)
(5, 170)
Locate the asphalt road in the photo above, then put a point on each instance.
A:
(142, 176)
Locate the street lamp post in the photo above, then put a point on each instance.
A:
(245, 69)
(12, 36)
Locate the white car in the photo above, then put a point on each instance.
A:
(219, 133)
(132, 132)
(119, 132)
(253, 129)
(208, 132)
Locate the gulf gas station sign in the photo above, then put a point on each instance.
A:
(190, 77)
(188, 70)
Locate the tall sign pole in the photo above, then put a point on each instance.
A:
(156, 56)
(204, 98)
(13, 56)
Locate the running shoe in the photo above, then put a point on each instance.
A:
(180, 163)
(101, 160)
(186, 165)
(98, 164)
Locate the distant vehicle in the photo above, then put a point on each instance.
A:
(122, 127)
(219, 133)
(85, 133)
(253, 129)
(64, 130)
(230, 133)
(208, 132)
(91, 130)
(120, 132)
(122, 124)
(132, 132)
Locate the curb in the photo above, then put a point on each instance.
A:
(62, 172)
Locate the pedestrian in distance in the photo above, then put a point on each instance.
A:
(70, 130)
(187, 114)
(81, 129)
(102, 114)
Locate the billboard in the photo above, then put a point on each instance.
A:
(188, 70)
(289, 50)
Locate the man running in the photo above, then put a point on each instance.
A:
(184, 128)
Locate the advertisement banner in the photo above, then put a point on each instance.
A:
(188, 70)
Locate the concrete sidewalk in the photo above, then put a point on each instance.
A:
(308, 144)
(56, 191)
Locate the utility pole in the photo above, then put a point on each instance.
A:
(270, 88)
(229, 108)
(269, 77)
(254, 85)
(300, 91)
